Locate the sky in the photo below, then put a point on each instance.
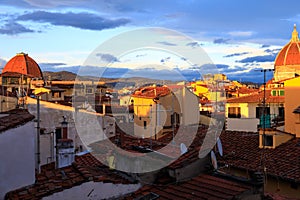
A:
(239, 37)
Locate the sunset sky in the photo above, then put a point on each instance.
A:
(238, 36)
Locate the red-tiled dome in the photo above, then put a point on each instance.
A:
(23, 64)
(290, 53)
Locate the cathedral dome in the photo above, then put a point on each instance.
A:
(287, 62)
(23, 64)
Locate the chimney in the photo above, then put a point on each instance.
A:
(64, 128)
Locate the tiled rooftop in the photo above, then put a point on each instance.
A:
(85, 168)
(257, 98)
(241, 150)
(200, 187)
(152, 92)
(15, 118)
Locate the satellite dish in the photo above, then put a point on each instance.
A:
(183, 148)
(220, 147)
(213, 160)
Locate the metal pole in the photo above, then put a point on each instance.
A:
(172, 122)
(38, 134)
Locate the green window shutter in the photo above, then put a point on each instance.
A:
(281, 92)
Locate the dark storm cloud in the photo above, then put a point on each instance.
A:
(265, 58)
(107, 57)
(14, 28)
(221, 41)
(235, 54)
(83, 20)
(167, 43)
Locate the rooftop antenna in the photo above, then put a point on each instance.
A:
(183, 148)
(264, 125)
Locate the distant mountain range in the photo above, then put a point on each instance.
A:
(111, 82)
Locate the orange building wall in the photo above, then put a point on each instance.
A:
(292, 101)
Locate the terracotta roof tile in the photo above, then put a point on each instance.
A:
(15, 118)
(201, 187)
(257, 98)
(241, 150)
(23, 64)
(151, 92)
(85, 168)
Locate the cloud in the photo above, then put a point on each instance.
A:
(193, 44)
(2, 64)
(226, 69)
(222, 66)
(265, 46)
(235, 54)
(240, 33)
(52, 3)
(83, 20)
(265, 58)
(273, 51)
(221, 41)
(167, 43)
(50, 66)
(163, 60)
(140, 55)
(107, 57)
(14, 28)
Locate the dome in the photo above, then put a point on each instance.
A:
(290, 53)
(23, 64)
(287, 62)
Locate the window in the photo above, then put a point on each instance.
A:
(281, 92)
(268, 140)
(234, 112)
(56, 94)
(89, 91)
(175, 119)
(277, 92)
(145, 124)
(281, 112)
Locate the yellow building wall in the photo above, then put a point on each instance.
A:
(188, 106)
(157, 115)
(147, 111)
(244, 109)
(292, 101)
(201, 90)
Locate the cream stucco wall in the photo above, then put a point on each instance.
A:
(248, 120)
(84, 128)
